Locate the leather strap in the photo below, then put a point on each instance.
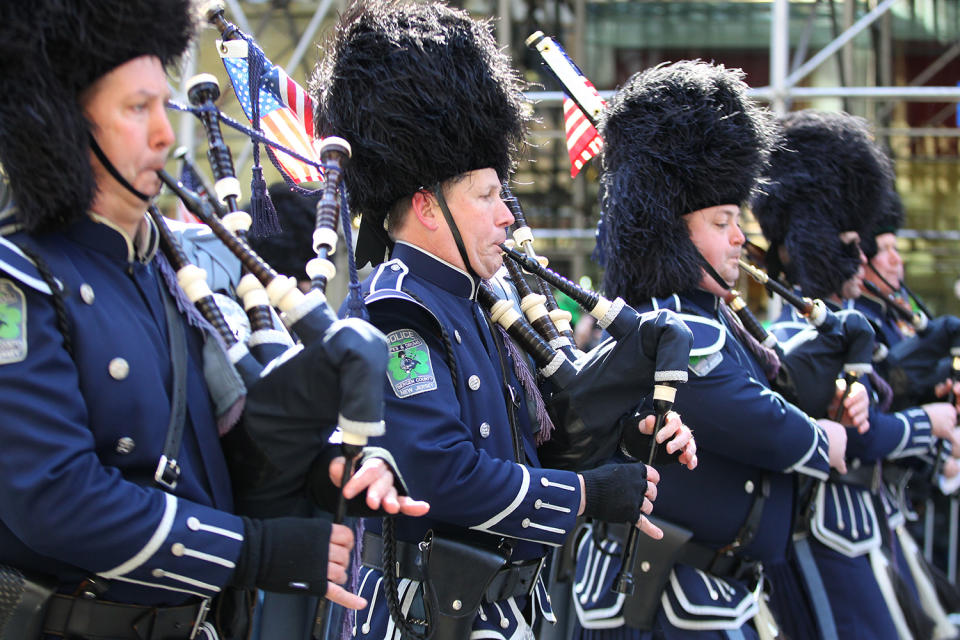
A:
(517, 579)
(168, 471)
(100, 620)
(105, 161)
(438, 192)
(748, 530)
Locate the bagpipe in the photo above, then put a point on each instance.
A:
(835, 343)
(591, 397)
(302, 379)
(588, 393)
(917, 364)
(916, 320)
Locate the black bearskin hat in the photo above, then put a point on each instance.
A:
(289, 250)
(423, 94)
(828, 177)
(50, 51)
(889, 219)
(677, 138)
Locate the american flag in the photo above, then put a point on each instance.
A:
(583, 139)
(286, 109)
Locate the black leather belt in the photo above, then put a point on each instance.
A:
(516, 579)
(698, 556)
(722, 565)
(862, 476)
(97, 619)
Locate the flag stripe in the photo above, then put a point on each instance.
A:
(286, 112)
(583, 139)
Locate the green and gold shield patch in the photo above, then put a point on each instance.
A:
(409, 370)
(13, 323)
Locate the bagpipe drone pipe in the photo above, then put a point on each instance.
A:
(592, 397)
(588, 394)
(835, 343)
(915, 365)
(295, 401)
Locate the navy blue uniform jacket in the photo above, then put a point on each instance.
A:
(82, 436)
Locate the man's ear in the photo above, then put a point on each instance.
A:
(425, 208)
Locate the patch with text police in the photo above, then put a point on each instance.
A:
(13, 323)
(409, 369)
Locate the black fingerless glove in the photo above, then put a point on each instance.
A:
(325, 494)
(284, 555)
(614, 492)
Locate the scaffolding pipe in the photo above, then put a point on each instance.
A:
(923, 94)
(779, 53)
(307, 38)
(843, 39)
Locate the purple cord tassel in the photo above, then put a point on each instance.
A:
(530, 387)
(228, 417)
(884, 392)
(349, 616)
(265, 220)
(767, 357)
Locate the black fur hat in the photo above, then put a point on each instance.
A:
(289, 250)
(677, 138)
(889, 219)
(828, 177)
(50, 51)
(423, 94)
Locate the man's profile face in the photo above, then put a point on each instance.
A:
(715, 232)
(887, 262)
(127, 110)
(852, 287)
(482, 218)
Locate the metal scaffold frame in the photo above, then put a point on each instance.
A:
(785, 77)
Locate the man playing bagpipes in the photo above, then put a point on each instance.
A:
(683, 148)
(435, 118)
(828, 181)
(115, 492)
(921, 368)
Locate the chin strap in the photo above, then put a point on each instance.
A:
(712, 272)
(438, 192)
(112, 170)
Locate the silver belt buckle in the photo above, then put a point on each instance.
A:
(167, 473)
(201, 617)
(536, 576)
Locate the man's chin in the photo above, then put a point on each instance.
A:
(150, 188)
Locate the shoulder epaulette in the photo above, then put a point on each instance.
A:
(15, 263)
(387, 284)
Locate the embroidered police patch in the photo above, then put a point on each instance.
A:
(409, 370)
(13, 323)
(702, 365)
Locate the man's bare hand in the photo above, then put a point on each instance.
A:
(375, 476)
(678, 436)
(856, 406)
